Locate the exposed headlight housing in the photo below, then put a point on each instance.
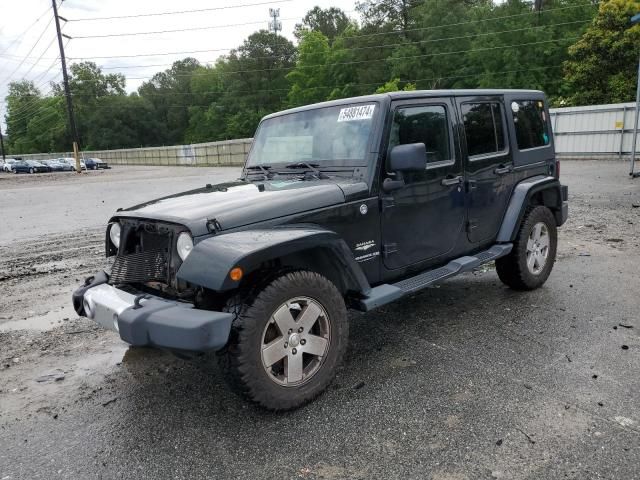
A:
(184, 245)
(114, 234)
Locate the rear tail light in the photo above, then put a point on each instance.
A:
(557, 175)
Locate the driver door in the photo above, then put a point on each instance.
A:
(423, 220)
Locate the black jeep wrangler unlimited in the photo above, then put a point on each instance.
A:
(352, 203)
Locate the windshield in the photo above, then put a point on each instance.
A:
(336, 136)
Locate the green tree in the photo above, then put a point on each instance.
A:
(22, 100)
(393, 85)
(393, 14)
(121, 121)
(88, 85)
(331, 22)
(310, 77)
(169, 93)
(602, 64)
(248, 84)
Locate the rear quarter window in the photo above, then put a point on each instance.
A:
(531, 124)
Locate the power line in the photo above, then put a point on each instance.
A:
(177, 12)
(177, 30)
(457, 24)
(30, 51)
(389, 45)
(478, 74)
(373, 60)
(21, 35)
(40, 58)
(31, 106)
(490, 19)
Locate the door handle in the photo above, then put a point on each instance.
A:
(502, 169)
(449, 180)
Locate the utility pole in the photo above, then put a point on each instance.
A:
(275, 25)
(67, 91)
(2, 146)
(635, 20)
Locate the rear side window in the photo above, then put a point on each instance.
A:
(483, 128)
(531, 123)
(426, 124)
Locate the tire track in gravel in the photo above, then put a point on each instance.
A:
(38, 275)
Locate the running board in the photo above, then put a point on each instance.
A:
(386, 293)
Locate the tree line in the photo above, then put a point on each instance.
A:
(579, 52)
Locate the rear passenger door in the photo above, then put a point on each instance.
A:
(488, 165)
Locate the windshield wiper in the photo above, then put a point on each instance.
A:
(310, 167)
(264, 169)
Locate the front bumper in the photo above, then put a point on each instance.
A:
(147, 320)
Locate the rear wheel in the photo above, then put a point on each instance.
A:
(31, 170)
(534, 251)
(286, 341)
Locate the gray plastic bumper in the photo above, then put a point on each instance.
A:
(146, 320)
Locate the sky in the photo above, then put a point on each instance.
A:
(29, 50)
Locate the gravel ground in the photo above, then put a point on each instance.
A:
(469, 380)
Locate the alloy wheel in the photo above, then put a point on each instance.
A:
(538, 248)
(295, 341)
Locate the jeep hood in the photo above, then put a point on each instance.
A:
(238, 203)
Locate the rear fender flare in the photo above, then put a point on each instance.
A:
(211, 259)
(521, 198)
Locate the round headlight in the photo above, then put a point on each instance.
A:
(114, 234)
(184, 245)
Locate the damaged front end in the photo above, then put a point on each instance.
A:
(141, 297)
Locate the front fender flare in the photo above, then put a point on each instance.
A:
(211, 259)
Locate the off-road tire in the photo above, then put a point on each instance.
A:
(512, 269)
(241, 359)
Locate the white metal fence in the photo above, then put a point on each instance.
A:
(596, 131)
(230, 152)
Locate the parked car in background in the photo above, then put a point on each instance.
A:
(57, 166)
(72, 161)
(28, 166)
(6, 166)
(95, 163)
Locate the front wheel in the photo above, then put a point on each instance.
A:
(31, 170)
(287, 341)
(530, 262)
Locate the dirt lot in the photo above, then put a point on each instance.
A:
(469, 380)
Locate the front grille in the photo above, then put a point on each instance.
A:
(140, 267)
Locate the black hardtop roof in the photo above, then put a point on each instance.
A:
(469, 92)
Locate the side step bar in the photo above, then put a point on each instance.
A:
(386, 293)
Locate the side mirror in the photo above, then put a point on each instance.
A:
(411, 157)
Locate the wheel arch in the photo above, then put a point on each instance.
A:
(264, 252)
(540, 190)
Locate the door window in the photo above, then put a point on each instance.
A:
(532, 125)
(428, 124)
(483, 128)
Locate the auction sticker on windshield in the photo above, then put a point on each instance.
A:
(349, 114)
